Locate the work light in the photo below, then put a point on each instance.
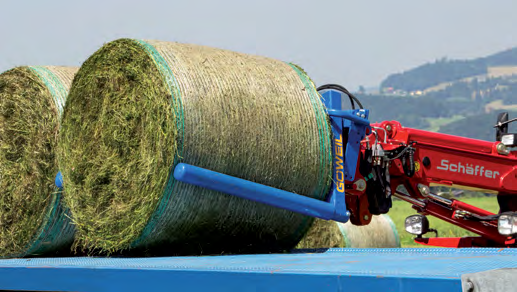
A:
(417, 224)
(507, 223)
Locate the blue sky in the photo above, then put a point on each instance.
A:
(348, 42)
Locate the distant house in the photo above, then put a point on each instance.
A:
(388, 90)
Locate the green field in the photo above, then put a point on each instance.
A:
(401, 210)
(436, 123)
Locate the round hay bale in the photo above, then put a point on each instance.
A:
(380, 233)
(322, 234)
(137, 108)
(32, 219)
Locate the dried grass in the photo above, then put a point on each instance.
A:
(322, 234)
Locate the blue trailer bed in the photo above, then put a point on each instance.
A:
(333, 270)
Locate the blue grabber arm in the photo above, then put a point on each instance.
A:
(348, 129)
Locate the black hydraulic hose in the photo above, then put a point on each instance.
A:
(409, 163)
(343, 90)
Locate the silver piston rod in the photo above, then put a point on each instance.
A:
(426, 192)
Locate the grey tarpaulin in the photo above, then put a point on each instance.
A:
(490, 281)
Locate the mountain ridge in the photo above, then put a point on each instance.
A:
(445, 70)
(458, 97)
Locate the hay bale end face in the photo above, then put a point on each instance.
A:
(32, 219)
(380, 233)
(137, 108)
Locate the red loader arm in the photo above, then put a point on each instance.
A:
(405, 162)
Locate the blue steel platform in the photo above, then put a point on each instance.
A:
(334, 270)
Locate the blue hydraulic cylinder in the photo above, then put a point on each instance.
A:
(256, 192)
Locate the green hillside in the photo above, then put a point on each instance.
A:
(477, 126)
(459, 97)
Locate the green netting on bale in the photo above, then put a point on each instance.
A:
(137, 108)
(32, 218)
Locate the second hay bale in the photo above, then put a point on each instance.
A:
(380, 233)
(32, 218)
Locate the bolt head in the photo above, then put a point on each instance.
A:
(424, 190)
(360, 185)
(366, 217)
(502, 149)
